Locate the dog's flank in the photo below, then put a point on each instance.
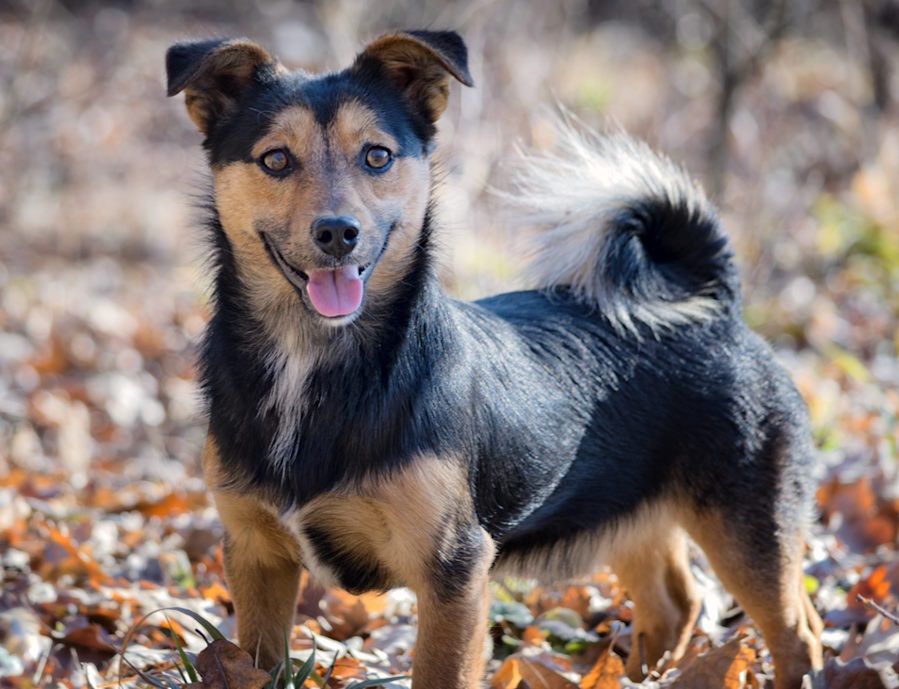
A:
(623, 228)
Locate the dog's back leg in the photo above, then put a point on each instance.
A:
(655, 571)
(764, 573)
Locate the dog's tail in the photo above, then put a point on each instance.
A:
(625, 230)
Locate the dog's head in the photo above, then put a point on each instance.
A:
(321, 182)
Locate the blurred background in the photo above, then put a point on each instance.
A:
(786, 112)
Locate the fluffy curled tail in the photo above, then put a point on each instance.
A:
(625, 229)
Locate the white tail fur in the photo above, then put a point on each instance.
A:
(577, 194)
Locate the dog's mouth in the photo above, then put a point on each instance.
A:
(332, 292)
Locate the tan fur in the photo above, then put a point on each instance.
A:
(590, 551)
(329, 182)
(237, 60)
(452, 635)
(779, 605)
(262, 566)
(402, 55)
(648, 552)
(655, 571)
(401, 523)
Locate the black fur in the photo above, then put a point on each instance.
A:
(568, 425)
(354, 574)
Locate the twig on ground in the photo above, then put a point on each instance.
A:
(879, 608)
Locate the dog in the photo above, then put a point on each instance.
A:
(366, 426)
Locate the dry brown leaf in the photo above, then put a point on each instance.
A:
(93, 637)
(533, 670)
(858, 673)
(374, 603)
(345, 612)
(223, 665)
(867, 522)
(65, 556)
(606, 672)
(721, 668)
(346, 670)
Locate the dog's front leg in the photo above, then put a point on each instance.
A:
(452, 617)
(262, 567)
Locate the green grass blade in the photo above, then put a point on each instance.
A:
(288, 663)
(188, 666)
(376, 681)
(305, 669)
(276, 675)
(210, 628)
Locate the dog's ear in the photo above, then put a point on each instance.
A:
(213, 74)
(420, 63)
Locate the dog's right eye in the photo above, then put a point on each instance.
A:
(276, 162)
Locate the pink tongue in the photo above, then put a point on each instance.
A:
(335, 292)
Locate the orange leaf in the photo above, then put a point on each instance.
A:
(721, 668)
(606, 672)
(347, 668)
(91, 637)
(171, 505)
(215, 592)
(532, 671)
(532, 636)
(875, 586)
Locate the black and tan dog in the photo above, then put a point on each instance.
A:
(367, 426)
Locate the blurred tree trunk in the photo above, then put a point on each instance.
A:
(740, 43)
(881, 19)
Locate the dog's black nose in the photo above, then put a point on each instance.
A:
(336, 235)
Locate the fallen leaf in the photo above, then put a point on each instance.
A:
(536, 670)
(215, 592)
(223, 665)
(345, 612)
(875, 586)
(89, 636)
(606, 672)
(722, 668)
(858, 673)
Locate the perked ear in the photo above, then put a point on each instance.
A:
(420, 63)
(213, 74)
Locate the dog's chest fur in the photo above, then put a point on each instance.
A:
(387, 531)
(288, 364)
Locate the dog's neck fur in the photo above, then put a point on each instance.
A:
(279, 359)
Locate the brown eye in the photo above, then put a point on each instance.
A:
(378, 158)
(275, 161)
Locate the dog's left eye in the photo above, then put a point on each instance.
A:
(378, 158)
